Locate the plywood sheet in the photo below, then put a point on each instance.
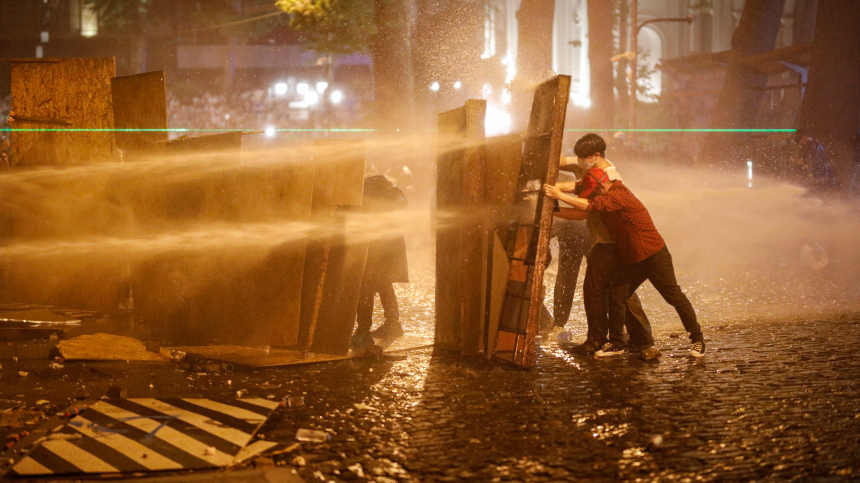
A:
(140, 102)
(459, 228)
(335, 261)
(108, 347)
(256, 356)
(51, 94)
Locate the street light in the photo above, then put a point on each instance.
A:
(634, 47)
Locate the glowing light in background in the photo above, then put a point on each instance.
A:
(498, 121)
(434, 86)
(458, 85)
(506, 96)
(281, 88)
(486, 91)
(336, 97)
(312, 97)
(270, 131)
(302, 89)
(322, 86)
(749, 173)
(510, 69)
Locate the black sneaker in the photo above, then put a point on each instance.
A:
(610, 349)
(586, 348)
(361, 339)
(388, 331)
(698, 349)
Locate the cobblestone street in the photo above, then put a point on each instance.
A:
(771, 400)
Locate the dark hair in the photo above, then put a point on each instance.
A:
(590, 144)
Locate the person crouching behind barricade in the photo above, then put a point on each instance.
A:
(385, 266)
(644, 256)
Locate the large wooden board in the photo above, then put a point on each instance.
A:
(335, 260)
(140, 114)
(56, 94)
(459, 228)
(528, 239)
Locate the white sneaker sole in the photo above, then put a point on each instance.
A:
(697, 355)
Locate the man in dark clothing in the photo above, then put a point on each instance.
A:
(643, 253)
(812, 163)
(386, 265)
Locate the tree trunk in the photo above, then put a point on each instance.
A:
(392, 66)
(741, 96)
(601, 19)
(831, 107)
(534, 55)
(621, 85)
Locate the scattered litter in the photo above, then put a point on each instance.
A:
(655, 443)
(299, 461)
(74, 411)
(151, 385)
(55, 365)
(270, 396)
(241, 392)
(312, 436)
(42, 401)
(209, 451)
(364, 406)
(23, 374)
(294, 401)
(288, 449)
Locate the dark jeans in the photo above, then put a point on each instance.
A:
(572, 246)
(604, 264)
(657, 269)
(364, 312)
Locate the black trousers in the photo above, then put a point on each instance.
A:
(573, 244)
(659, 270)
(604, 267)
(364, 312)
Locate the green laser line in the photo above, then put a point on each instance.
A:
(656, 130)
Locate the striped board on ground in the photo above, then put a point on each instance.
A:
(147, 434)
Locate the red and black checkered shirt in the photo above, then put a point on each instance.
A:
(629, 223)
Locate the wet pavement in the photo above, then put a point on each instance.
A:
(776, 397)
(773, 399)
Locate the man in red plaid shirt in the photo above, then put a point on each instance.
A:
(643, 252)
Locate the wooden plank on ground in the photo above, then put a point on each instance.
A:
(528, 239)
(108, 347)
(256, 356)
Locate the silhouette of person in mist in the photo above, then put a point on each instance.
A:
(812, 163)
(385, 266)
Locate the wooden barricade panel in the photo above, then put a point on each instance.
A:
(56, 94)
(237, 294)
(459, 249)
(503, 156)
(140, 102)
(335, 261)
(528, 235)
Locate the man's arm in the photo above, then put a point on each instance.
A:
(571, 214)
(566, 186)
(555, 193)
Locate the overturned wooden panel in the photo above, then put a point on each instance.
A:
(528, 234)
(459, 227)
(140, 114)
(51, 95)
(256, 356)
(108, 347)
(335, 260)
